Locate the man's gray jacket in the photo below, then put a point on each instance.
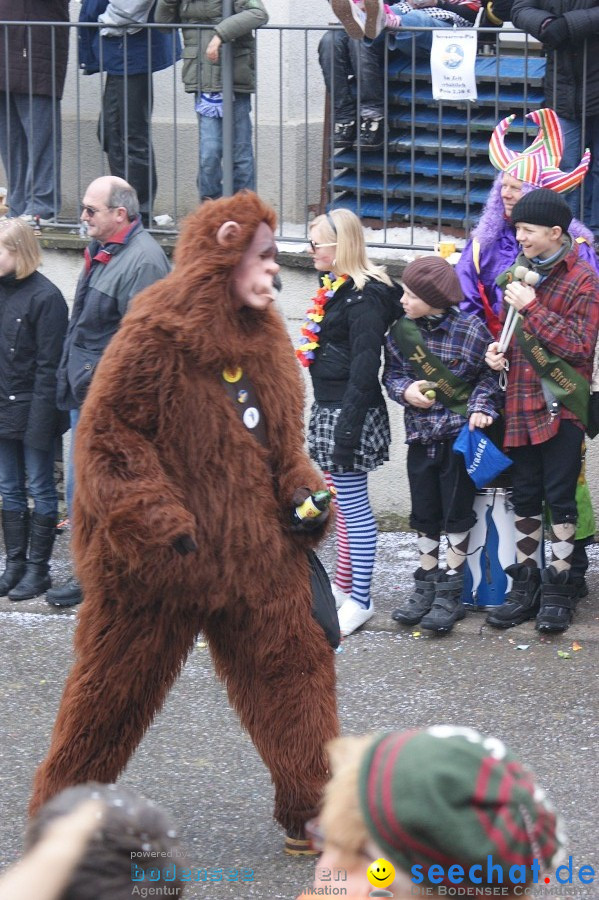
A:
(112, 275)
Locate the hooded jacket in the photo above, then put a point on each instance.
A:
(199, 74)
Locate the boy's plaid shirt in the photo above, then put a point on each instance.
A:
(564, 317)
(460, 342)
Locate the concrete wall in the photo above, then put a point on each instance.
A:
(388, 485)
(288, 112)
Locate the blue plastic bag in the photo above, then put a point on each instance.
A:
(484, 461)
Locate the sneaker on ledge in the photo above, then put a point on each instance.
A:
(351, 17)
(372, 134)
(345, 134)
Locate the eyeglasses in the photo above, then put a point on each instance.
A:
(91, 210)
(315, 246)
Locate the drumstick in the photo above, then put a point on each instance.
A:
(511, 320)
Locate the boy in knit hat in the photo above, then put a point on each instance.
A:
(451, 811)
(436, 344)
(550, 360)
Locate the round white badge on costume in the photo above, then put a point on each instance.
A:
(251, 417)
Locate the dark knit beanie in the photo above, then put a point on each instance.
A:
(434, 281)
(542, 207)
(449, 796)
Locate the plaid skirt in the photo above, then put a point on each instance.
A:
(372, 451)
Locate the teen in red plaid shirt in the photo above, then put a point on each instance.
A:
(562, 312)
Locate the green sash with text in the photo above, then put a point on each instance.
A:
(567, 385)
(451, 391)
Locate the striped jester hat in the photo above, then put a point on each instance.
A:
(450, 796)
(539, 163)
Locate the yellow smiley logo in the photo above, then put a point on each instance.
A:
(380, 873)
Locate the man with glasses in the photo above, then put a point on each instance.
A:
(121, 260)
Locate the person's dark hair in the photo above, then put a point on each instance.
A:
(126, 197)
(129, 824)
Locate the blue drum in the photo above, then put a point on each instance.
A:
(491, 549)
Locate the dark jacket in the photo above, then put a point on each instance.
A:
(112, 276)
(345, 371)
(33, 323)
(44, 50)
(127, 53)
(199, 74)
(572, 69)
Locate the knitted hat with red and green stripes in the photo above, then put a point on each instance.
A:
(449, 796)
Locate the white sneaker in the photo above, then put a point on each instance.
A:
(353, 615)
(340, 596)
(376, 18)
(32, 220)
(351, 17)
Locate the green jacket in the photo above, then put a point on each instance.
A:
(199, 74)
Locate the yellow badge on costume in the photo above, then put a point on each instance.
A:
(232, 375)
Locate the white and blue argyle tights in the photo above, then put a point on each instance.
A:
(352, 499)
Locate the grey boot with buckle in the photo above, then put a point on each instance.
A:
(559, 596)
(447, 608)
(420, 600)
(522, 602)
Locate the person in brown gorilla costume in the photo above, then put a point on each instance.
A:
(183, 521)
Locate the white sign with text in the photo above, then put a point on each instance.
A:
(453, 57)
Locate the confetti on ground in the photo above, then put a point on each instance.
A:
(576, 646)
(563, 654)
(522, 646)
(201, 645)
(416, 634)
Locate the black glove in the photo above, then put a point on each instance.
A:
(556, 33)
(343, 456)
(185, 544)
(307, 526)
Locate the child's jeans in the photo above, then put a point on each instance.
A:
(210, 176)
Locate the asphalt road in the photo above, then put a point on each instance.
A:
(196, 760)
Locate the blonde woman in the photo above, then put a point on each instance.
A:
(33, 322)
(349, 434)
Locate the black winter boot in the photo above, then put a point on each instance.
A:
(447, 608)
(578, 569)
(558, 601)
(68, 594)
(420, 601)
(522, 602)
(36, 579)
(15, 526)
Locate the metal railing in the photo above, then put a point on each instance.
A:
(299, 169)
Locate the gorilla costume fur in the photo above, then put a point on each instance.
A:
(164, 463)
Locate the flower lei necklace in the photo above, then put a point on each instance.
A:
(314, 316)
